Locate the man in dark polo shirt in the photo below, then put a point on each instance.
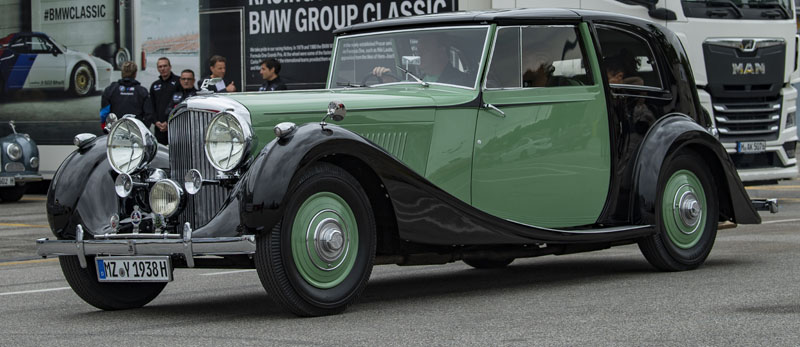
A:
(270, 72)
(161, 94)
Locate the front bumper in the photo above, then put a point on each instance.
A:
(147, 244)
(20, 178)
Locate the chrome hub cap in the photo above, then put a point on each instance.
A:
(690, 210)
(329, 240)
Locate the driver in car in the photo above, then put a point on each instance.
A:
(434, 64)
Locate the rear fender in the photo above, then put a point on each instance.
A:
(667, 137)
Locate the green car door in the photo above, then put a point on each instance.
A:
(542, 152)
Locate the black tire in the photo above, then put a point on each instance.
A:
(488, 263)
(82, 80)
(286, 278)
(106, 296)
(12, 194)
(665, 250)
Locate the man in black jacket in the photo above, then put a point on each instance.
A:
(270, 70)
(185, 91)
(127, 96)
(161, 93)
(216, 64)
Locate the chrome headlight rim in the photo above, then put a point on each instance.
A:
(14, 151)
(181, 197)
(247, 136)
(149, 141)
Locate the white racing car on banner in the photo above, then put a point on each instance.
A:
(35, 61)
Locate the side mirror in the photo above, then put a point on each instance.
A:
(336, 111)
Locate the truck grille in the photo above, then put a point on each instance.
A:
(186, 151)
(743, 119)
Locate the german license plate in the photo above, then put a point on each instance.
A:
(6, 181)
(134, 269)
(751, 147)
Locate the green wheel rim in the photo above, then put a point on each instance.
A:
(324, 240)
(683, 209)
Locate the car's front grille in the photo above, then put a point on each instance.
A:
(186, 151)
(745, 119)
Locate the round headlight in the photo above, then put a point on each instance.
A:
(130, 146)
(34, 162)
(227, 141)
(14, 151)
(165, 197)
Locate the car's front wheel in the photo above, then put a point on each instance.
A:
(82, 80)
(11, 194)
(687, 214)
(106, 296)
(318, 259)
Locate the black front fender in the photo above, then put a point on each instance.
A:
(82, 190)
(666, 138)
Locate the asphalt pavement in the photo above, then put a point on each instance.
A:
(745, 294)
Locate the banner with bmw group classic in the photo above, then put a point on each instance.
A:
(297, 33)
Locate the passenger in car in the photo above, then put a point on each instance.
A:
(620, 69)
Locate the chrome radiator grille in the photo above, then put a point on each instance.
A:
(186, 151)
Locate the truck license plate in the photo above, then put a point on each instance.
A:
(6, 181)
(134, 269)
(751, 147)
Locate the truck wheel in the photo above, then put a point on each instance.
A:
(106, 296)
(11, 194)
(318, 259)
(82, 80)
(487, 263)
(687, 214)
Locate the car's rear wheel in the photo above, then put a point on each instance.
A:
(687, 214)
(488, 263)
(11, 194)
(82, 80)
(121, 56)
(318, 259)
(106, 296)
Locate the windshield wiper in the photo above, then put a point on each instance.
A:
(726, 3)
(424, 84)
(777, 5)
(350, 84)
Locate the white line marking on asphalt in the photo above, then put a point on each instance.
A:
(35, 291)
(781, 221)
(227, 272)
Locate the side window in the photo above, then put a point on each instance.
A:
(505, 69)
(39, 45)
(627, 58)
(538, 56)
(21, 45)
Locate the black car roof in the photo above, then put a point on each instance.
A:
(509, 16)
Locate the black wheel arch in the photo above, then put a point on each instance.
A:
(282, 161)
(670, 135)
(82, 190)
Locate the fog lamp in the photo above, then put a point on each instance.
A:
(193, 181)
(165, 197)
(34, 162)
(123, 185)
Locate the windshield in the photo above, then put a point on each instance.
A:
(739, 9)
(445, 56)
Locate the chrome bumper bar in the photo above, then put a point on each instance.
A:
(147, 244)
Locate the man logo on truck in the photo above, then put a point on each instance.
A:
(749, 68)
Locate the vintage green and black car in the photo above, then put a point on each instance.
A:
(480, 137)
(19, 164)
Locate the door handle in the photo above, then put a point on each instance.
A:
(494, 108)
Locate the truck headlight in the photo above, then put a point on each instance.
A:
(14, 151)
(228, 141)
(130, 146)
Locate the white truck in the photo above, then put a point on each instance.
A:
(744, 58)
